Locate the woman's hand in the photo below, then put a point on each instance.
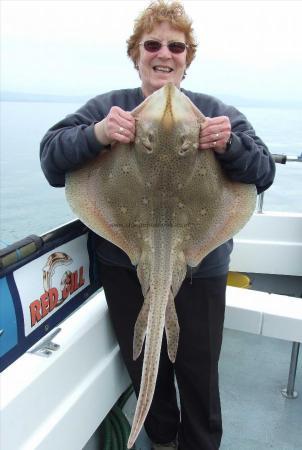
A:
(215, 133)
(118, 126)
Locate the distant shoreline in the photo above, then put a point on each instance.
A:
(229, 99)
(42, 98)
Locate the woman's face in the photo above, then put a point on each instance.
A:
(159, 68)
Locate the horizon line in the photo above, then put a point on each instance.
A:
(39, 97)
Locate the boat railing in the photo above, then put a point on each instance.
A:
(280, 159)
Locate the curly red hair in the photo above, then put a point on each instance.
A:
(157, 12)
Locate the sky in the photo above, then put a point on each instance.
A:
(246, 48)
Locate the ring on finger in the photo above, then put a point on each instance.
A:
(214, 144)
(121, 130)
(217, 135)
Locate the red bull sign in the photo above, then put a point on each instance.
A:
(52, 280)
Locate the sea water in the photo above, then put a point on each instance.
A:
(30, 206)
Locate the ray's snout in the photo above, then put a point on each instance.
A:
(168, 107)
(177, 108)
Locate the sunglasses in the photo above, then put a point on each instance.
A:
(153, 46)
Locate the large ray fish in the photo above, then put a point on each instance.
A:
(167, 204)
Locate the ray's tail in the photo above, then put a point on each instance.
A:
(157, 313)
(154, 334)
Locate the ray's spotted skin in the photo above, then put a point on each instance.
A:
(167, 205)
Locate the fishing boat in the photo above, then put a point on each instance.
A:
(63, 382)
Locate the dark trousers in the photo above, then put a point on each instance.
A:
(200, 306)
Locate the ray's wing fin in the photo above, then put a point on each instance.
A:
(101, 202)
(221, 213)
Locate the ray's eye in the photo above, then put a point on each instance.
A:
(147, 142)
(186, 145)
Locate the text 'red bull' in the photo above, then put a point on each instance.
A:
(50, 299)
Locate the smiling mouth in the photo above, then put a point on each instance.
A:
(162, 69)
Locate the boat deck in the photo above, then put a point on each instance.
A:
(253, 369)
(256, 416)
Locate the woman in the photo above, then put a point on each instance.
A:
(162, 47)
